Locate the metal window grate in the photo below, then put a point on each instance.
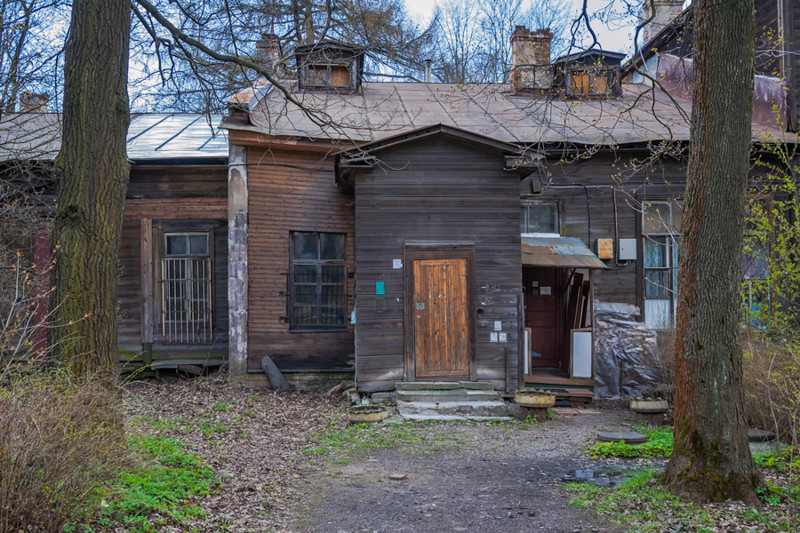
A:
(186, 300)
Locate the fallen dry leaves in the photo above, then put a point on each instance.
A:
(252, 439)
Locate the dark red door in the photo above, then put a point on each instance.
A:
(543, 314)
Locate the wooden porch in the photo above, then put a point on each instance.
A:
(574, 390)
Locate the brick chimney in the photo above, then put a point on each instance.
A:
(665, 12)
(33, 103)
(268, 53)
(530, 59)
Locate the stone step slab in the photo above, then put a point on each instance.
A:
(491, 409)
(443, 385)
(454, 395)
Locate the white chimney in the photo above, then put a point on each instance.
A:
(665, 12)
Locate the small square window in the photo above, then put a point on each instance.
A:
(539, 218)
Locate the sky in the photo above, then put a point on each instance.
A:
(610, 35)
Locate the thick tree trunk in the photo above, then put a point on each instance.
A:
(711, 459)
(93, 169)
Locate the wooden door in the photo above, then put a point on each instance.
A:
(543, 314)
(440, 305)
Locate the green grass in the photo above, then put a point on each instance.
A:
(364, 437)
(169, 484)
(642, 504)
(659, 444)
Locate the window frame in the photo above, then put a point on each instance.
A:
(526, 203)
(207, 336)
(671, 236)
(318, 263)
(612, 75)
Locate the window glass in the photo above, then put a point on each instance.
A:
(177, 245)
(660, 240)
(539, 218)
(656, 252)
(331, 246)
(317, 280)
(305, 245)
(198, 244)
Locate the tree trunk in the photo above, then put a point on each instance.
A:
(711, 459)
(93, 169)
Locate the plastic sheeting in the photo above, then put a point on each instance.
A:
(626, 353)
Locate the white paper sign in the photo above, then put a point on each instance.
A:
(498, 325)
(544, 291)
(397, 263)
(503, 336)
(493, 337)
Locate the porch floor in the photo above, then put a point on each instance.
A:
(575, 390)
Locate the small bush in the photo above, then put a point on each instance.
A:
(59, 442)
(772, 386)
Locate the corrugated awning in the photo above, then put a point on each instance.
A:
(567, 252)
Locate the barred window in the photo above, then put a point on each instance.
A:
(317, 281)
(186, 292)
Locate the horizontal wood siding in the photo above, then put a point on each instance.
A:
(129, 298)
(292, 191)
(182, 198)
(585, 191)
(178, 182)
(436, 190)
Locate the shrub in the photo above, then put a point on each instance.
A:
(59, 442)
(772, 386)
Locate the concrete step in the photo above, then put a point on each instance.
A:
(468, 409)
(453, 395)
(443, 385)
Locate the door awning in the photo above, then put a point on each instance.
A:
(566, 252)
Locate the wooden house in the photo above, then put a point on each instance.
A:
(173, 298)
(424, 231)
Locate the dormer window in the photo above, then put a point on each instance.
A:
(592, 81)
(329, 66)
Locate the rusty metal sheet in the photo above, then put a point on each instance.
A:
(566, 252)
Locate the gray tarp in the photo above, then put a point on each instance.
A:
(626, 354)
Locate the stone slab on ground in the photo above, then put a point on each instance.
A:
(574, 411)
(630, 437)
(760, 435)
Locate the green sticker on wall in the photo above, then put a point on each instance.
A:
(380, 287)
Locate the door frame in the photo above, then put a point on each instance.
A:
(411, 252)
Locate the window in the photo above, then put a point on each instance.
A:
(186, 295)
(539, 217)
(661, 223)
(327, 76)
(317, 281)
(594, 81)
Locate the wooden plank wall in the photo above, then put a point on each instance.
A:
(292, 191)
(171, 196)
(622, 281)
(436, 190)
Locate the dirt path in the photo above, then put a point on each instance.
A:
(491, 478)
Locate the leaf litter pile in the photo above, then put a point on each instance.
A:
(252, 439)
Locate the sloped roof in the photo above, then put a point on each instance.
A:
(151, 136)
(553, 251)
(384, 109)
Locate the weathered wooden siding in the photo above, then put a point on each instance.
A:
(172, 199)
(607, 193)
(292, 191)
(129, 302)
(436, 190)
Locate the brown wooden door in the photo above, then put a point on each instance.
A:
(543, 314)
(441, 325)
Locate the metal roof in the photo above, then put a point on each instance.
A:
(151, 136)
(384, 109)
(569, 252)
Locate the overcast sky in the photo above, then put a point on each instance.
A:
(611, 36)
